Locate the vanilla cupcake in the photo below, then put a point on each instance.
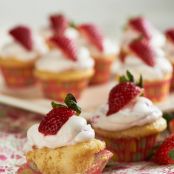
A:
(17, 57)
(141, 58)
(64, 143)
(129, 123)
(169, 50)
(102, 49)
(140, 26)
(66, 68)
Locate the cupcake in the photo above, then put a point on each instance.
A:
(64, 143)
(66, 68)
(18, 56)
(141, 58)
(129, 123)
(169, 50)
(103, 51)
(140, 26)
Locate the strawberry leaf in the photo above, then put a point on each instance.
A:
(123, 79)
(140, 82)
(130, 76)
(57, 105)
(171, 154)
(72, 24)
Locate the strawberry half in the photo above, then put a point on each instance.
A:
(142, 26)
(165, 153)
(23, 36)
(92, 34)
(144, 51)
(59, 23)
(66, 45)
(170, 34)
(54, 120)
(121, 95)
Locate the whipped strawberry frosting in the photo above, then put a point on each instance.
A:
(75, 130)
(13, 49)
(51, 61)
(139, 112)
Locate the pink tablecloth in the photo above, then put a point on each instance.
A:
(13, 125)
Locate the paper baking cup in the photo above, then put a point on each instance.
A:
(102, 71)
(57, 90)
(130, 149)
(97, 167)
(16, 77)
(157, 91)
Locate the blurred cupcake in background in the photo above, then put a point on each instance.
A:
(141, 58)
(140, 26)
(169, 50)
(18, 56)
(129, 123)
(66, 68)
(102, 50)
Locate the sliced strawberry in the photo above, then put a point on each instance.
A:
(170, 34)
(142, 26)
(93, 35)
(165, 153)
(66, 45)
(121, 95)
(23, 36)
(54, 120)
(144, 51)
(59, 23)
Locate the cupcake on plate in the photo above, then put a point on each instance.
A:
(141, 58)
(66, 68)
(140, 26)
(129, 123)
(169, 50)
(18, 56)
(64, 143)
(103, 51)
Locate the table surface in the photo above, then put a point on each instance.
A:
(12, 139)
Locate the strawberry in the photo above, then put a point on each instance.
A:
(66, 45)
(58, 23)
(144, 51)
(121, 95)
(92, 34)
(170, 34)
(59, 115)
(165, 153)
(142, 26)
(23, 36)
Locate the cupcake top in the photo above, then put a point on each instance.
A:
(126, 107)
(24, 45)
(142, 58)
(67, 54)
(60, 127)
(140, 26)
(169, 47)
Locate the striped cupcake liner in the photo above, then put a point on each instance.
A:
(157, 91)
(18, 77)
(130, 149)
(102, 71)
(57, 90)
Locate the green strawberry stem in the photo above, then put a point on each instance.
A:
(171, 154)
(72, 24)
(70, 102)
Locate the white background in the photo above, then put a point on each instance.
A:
(109, 14)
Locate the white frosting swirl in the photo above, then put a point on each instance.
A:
(169, 49)
(55, 61)
(75, 130)
(138, 113)
(17, 51)
(137, 67)
(158, 39)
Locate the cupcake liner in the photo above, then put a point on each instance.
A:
(16, 77)
(102, 71)
(157, 91)
(130, 149)
(57, 90)
(100, 161)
